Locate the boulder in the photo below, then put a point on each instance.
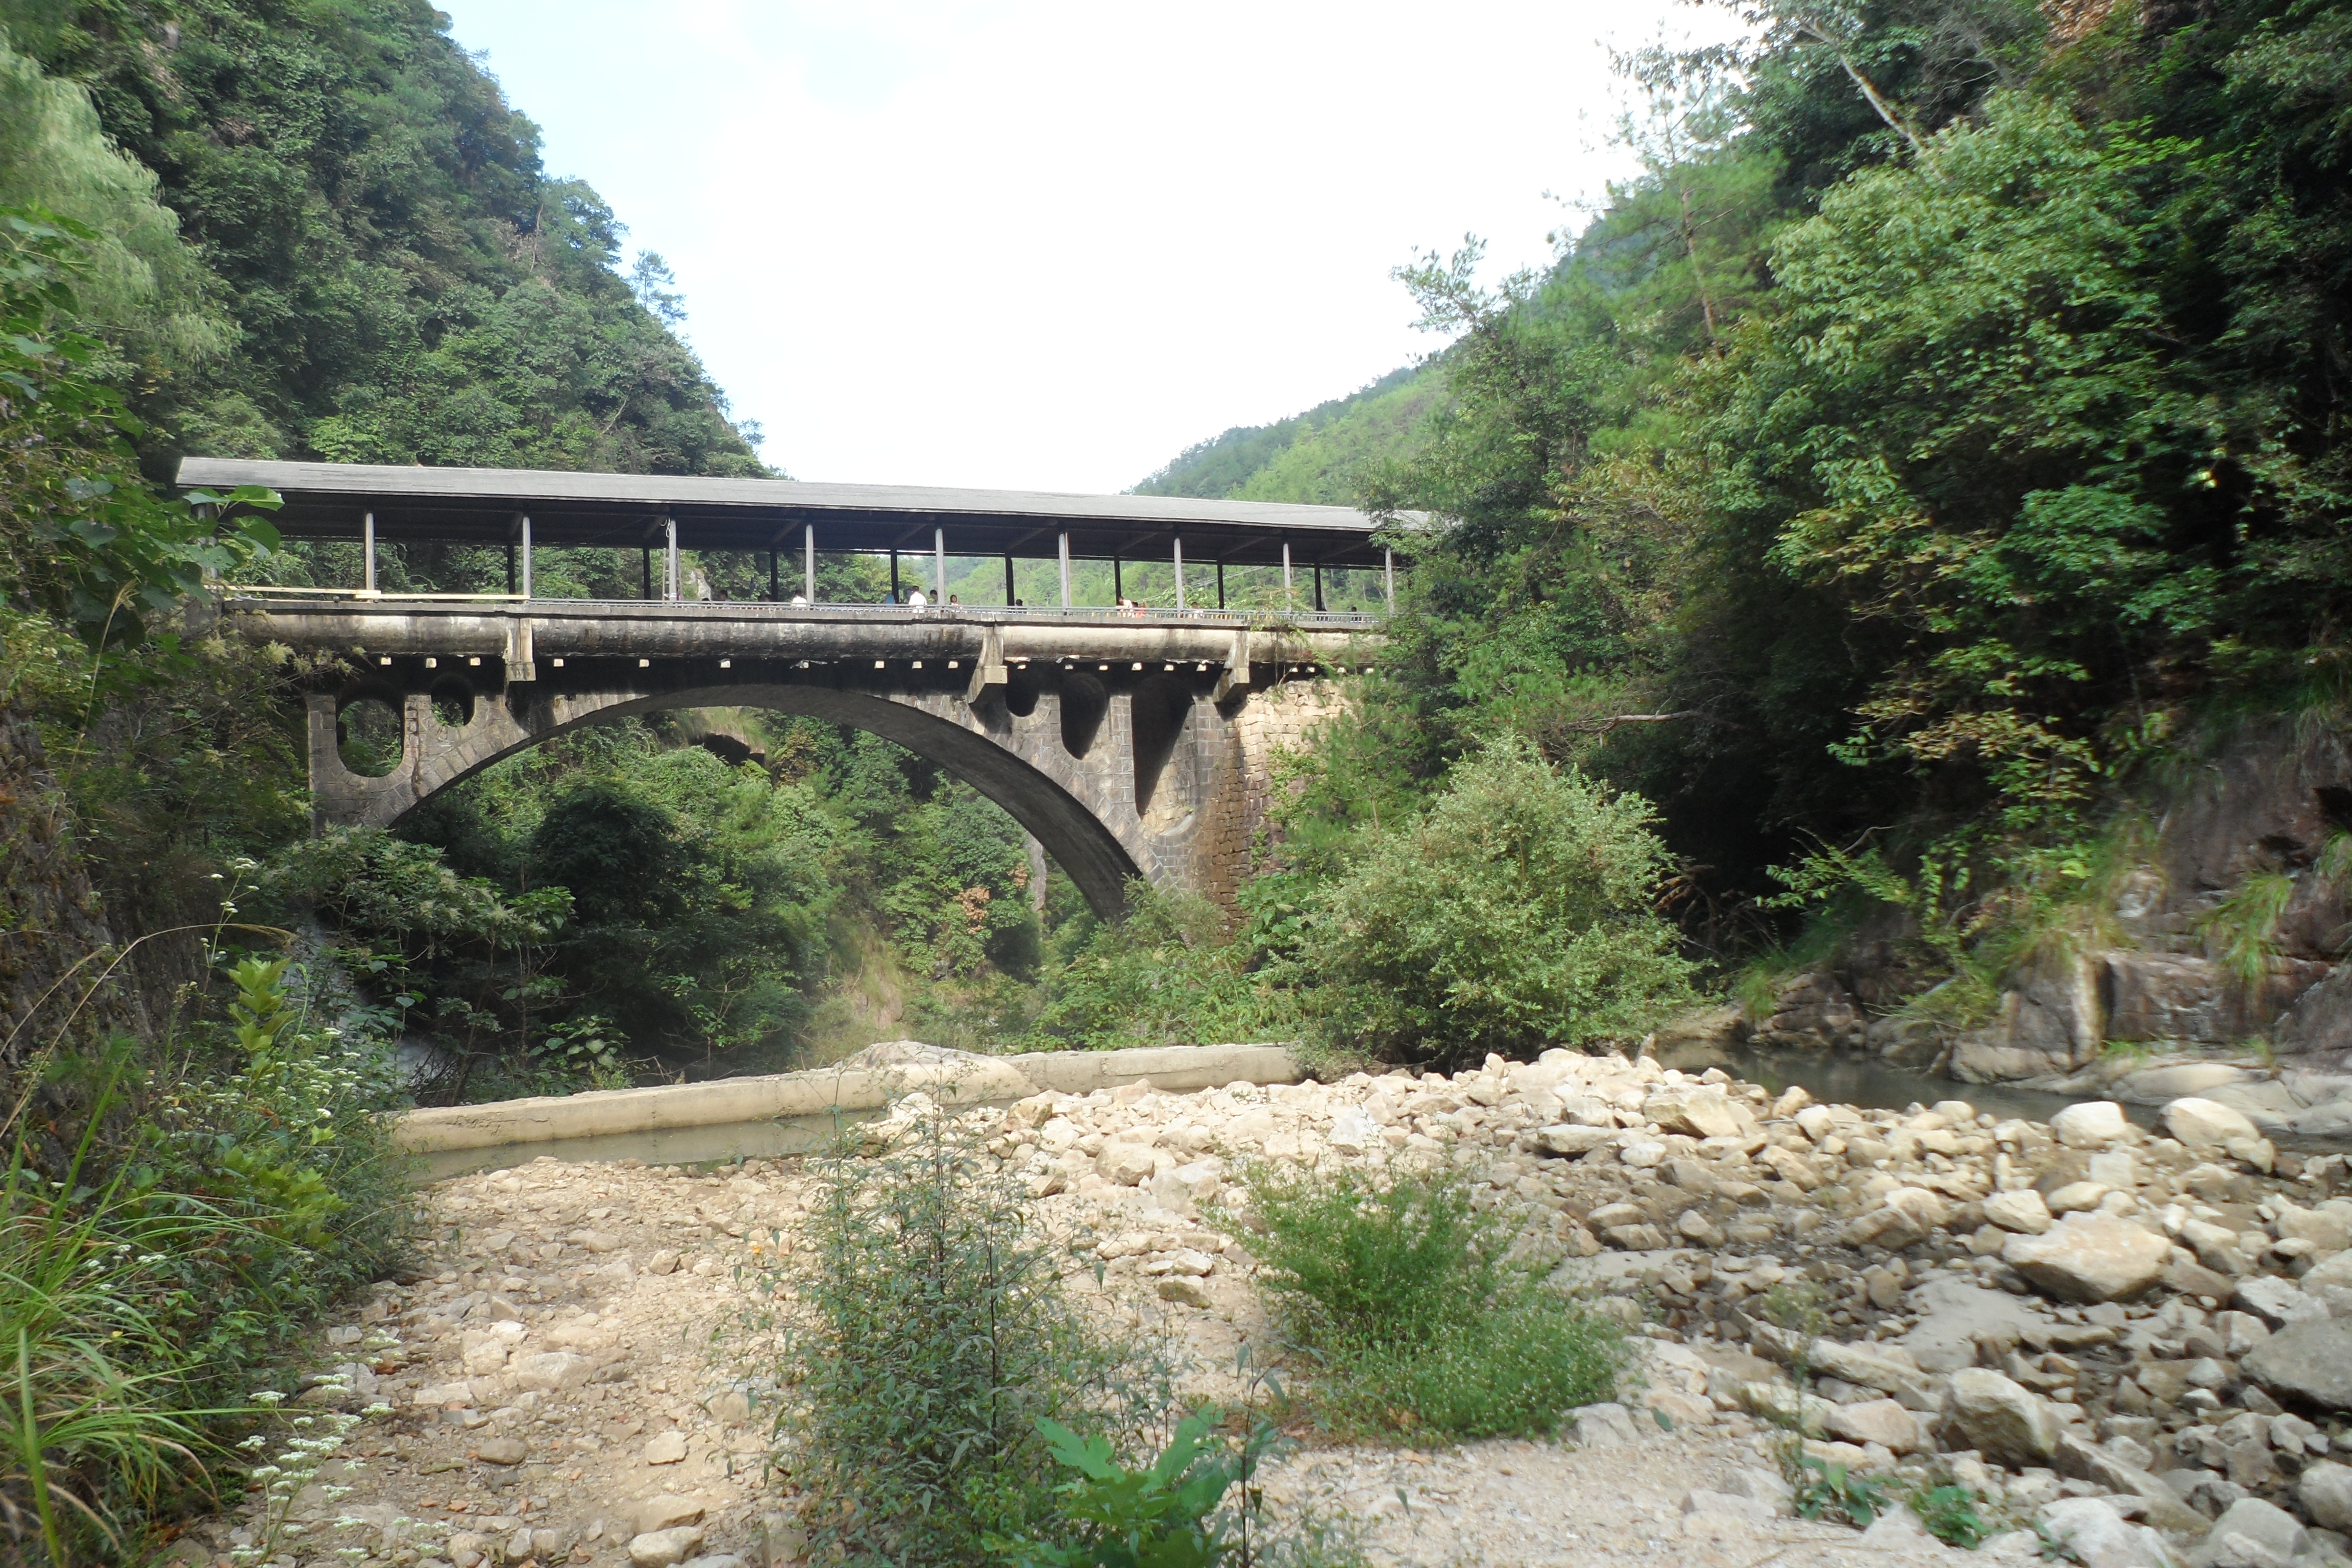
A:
(501, 1451)
(2306, 1363)
(665, 1447)
(1569, 1140)
(2167, 996)
(2001, 1419)
(2090, 1257)
(2099, 1537)
(2330, 1285)
(2325, 1489)
(1129, 1164)
(2202, 1125)
(1882, 1420)
(666, 1548)
(2076, 1196)
(2092, 1125)
(1909, 1215)
(2022, 1210)
(1605, 1425)
(1697, 1112)
(2273, 1534)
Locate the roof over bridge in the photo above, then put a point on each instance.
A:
(479, 506)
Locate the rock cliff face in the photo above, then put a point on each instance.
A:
(2241, 848)
(53, 941)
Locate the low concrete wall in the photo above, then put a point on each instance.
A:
(523, 1125)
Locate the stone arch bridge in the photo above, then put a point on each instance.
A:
(1128, 742)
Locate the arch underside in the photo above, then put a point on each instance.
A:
(1085, 847)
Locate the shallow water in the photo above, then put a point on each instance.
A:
(1873, 1085)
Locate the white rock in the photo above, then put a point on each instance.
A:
(2090, 1257)
(1127, 1163)
(446, 1393)
(2252, 1533)
(1353, 1133)
(2325, 1489)
(1605, 1426)
(2077, 1197)
(2003, 1420)
(2022, 1211)
(2092, 1125)
(2330, 1284)
(2205, 1123)
(2279, 1302)
(666, 1548)
(467, 1549)
(666, 1449)
(2101, 1538)
(1881, 1421)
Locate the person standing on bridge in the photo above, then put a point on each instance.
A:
(915, 598)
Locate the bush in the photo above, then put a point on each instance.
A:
(1414, 1313)
(925, 1326)
(1519, 912)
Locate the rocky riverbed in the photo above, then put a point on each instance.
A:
(2138, 1342)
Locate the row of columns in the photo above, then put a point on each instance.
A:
(518, 566)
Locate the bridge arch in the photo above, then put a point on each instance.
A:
(435, 756)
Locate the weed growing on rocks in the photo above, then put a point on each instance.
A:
(925, 1334)
(1412, 1313)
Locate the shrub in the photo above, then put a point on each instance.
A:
(1413, 1312)
(925, 1325)
(1164, 1514)
(1517, 913)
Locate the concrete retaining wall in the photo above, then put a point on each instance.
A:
(524, 1129)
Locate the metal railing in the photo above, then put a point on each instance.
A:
(367, 600)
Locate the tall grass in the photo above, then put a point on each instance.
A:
(1410, 1312)
(94, 1427)
(163, 1232)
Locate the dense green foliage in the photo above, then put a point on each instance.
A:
(396, 277)
(1947, 417)
(1515, 912)
(1409, 1310)
(160, 1231)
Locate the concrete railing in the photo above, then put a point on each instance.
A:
(748, 1113)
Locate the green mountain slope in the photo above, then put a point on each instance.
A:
(391, 275)
(1328, 455)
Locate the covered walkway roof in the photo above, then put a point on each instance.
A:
(481, 506)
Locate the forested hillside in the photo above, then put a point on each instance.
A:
(1939, 439)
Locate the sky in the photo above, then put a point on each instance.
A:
(1046, 245)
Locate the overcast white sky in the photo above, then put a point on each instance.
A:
(1047, 243)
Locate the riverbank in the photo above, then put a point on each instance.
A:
(2094, 1326)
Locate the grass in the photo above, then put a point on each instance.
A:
(1411, 1315)
(165, 1227)
(93, 1424)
